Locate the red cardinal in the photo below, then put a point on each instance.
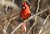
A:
(25, 14)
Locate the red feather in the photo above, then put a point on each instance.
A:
(25, 13)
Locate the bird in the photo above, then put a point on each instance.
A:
(25, 13)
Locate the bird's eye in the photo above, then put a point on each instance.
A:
(23, 7)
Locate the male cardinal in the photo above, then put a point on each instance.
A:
(25, 14)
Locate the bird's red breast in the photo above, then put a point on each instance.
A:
(25, 12)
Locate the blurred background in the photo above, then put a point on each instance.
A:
(39, 23)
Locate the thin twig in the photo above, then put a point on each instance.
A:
(39, 13)
(45, 30)
(17, 27)
(31, 27)
(7, 23)
(46, 19)
(41, 30)
(4, 29)
(28, 2)
(37, 10)
(10, 21)
(44, 24)
(35, 18)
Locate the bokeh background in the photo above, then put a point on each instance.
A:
(9, 17)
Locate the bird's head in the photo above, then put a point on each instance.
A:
(24, 5)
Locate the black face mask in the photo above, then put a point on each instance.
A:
(23, 7)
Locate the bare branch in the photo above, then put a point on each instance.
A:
(37, 10)
(4, 30)
(16, 28)
(35, 18)
(44, 24)
(31, 27)
(46, 19)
